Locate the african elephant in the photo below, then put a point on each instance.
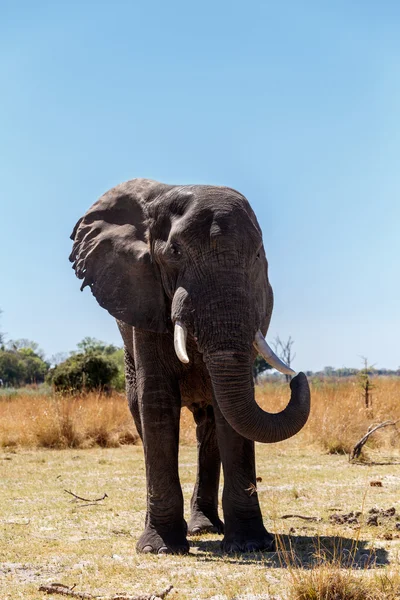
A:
(183, 271)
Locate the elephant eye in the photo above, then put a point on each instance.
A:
(258, 255)
(175, 250)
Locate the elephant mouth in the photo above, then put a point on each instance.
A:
(260, 344)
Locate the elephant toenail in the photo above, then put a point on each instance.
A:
(147, 549)
(251, 547)
(231, 548)
(196, 530)
(163, 550)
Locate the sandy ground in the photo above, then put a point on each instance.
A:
(47, 536)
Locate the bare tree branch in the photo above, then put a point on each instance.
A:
(284, 351)
(358, 447)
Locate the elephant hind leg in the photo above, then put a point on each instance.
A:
(204, 504)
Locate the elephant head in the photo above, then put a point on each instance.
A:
(191, 258)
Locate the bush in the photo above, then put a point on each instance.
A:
(83, 372)
(12, 368)
(21, 366)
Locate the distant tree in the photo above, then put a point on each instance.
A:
(25, 344)
(362, 375)
(260, 365)
(89, 344)
(284, 351)
(35, 367)
(344, 372)
(329, 371)
(12, 368)
(364, 381)
(21, 365)
(83, 372)
(58, 358)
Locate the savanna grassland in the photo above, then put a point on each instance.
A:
(337, 535)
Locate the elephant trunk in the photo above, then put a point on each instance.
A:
(232, 381)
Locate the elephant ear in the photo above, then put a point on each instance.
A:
(112, 256)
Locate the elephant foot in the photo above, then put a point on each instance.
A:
(241, 542)
(155, 541)
(199, 523)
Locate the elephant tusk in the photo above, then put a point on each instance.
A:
(261, 345)
(180, 335)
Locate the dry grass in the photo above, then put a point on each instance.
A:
(331, 582)
(50, 421)
(338, 417)
(339, 571)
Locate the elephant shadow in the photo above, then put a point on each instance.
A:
(301, 551)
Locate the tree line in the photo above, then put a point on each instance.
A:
(350, 372)
(98, 365)
(94, 365)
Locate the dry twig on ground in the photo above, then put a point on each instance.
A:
(104, 496)
(315, 519)
(64, 590)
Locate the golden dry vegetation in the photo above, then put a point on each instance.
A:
(338, 417)
(55, 421)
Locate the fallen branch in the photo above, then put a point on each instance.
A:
(86, 499)
(64, 590)
(358, 447)
(315, 519)
(88, 504)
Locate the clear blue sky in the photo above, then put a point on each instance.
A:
(295, 104)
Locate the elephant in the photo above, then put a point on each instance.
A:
(182, 269)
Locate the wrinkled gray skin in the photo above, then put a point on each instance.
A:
(153, 254)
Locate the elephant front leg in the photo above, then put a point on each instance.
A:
(159, 406)
(244, 528)
(165, 529)
(204, 504)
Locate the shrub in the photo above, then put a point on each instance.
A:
(12, 368)
(21, 367)
(83, 372)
